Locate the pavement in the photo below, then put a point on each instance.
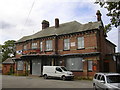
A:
(40, 82)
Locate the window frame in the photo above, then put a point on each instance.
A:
(80, 43)
(18, 66)
(41, 46)
(25, 47)
(34, 45)
(49, 45)
(66, 44)
(91, 68)
(72, 62)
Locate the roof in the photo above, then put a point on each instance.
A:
(110, 42)
(65, 28)
(8, 61)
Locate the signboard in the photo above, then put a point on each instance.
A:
(72, 44)
(31, 51)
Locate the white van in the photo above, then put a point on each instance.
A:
(57, 71)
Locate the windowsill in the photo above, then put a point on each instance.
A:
(67, 50)
(34, 48)
(19, 70)
(90, 71)
(41, 51)
(49, 51)
(76, 71)
(80, 48)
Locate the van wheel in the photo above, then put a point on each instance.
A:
(63, 78)
(45, 76)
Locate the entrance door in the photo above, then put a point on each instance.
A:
(106, 66)
(36, 67)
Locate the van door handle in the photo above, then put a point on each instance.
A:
(55, 71)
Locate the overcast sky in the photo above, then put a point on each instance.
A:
(14, 15)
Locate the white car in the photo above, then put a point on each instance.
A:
(106, 81)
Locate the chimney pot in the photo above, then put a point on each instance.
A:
(45, 24)
(98, 15)
(56, 22)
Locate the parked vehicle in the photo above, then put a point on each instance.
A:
(57, 71)
(106, 81)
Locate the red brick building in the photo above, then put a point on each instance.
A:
(82, 48)
(8, 66)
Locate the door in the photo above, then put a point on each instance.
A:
(36, 67)
(58, 72)
(106, 66)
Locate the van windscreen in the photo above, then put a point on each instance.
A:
(64, 68)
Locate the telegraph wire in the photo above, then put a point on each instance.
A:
(28, 15)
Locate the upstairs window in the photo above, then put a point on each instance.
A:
(48, 45)
(66, 44)
(41, 46)
(34, 45)
(80, 42)
(25, 47)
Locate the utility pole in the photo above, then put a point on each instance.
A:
(119, 39)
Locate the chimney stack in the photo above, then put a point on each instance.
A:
(45, 24)
(56, 22)
(98, 15)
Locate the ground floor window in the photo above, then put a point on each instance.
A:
(74, 64)
(90, 66)
(20, 65)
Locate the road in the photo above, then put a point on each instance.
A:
(39, 82)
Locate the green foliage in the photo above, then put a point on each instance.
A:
(0, 53)
(7, 49)
(113, 12)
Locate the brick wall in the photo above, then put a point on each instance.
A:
(88, 38)
(6, 68)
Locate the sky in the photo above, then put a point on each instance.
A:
(20, 18)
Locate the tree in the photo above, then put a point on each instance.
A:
(113, 12)
(0, 53)
(8, 49)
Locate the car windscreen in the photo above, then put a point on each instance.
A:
(64, 68)
(113, 78)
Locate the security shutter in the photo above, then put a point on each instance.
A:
(36, 67)
(74, 64)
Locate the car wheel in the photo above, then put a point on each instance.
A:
(63, 78)
(45, 76)
(94, 87)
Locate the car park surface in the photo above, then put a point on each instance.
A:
(40, 82)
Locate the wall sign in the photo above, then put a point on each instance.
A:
(72, 44)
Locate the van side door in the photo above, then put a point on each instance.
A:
(58, 72)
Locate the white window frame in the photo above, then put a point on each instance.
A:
(80, 41)
(41, 46)
(66, 44)
(34, 45)
(25, 47)
(90, 65)
(49, 45)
